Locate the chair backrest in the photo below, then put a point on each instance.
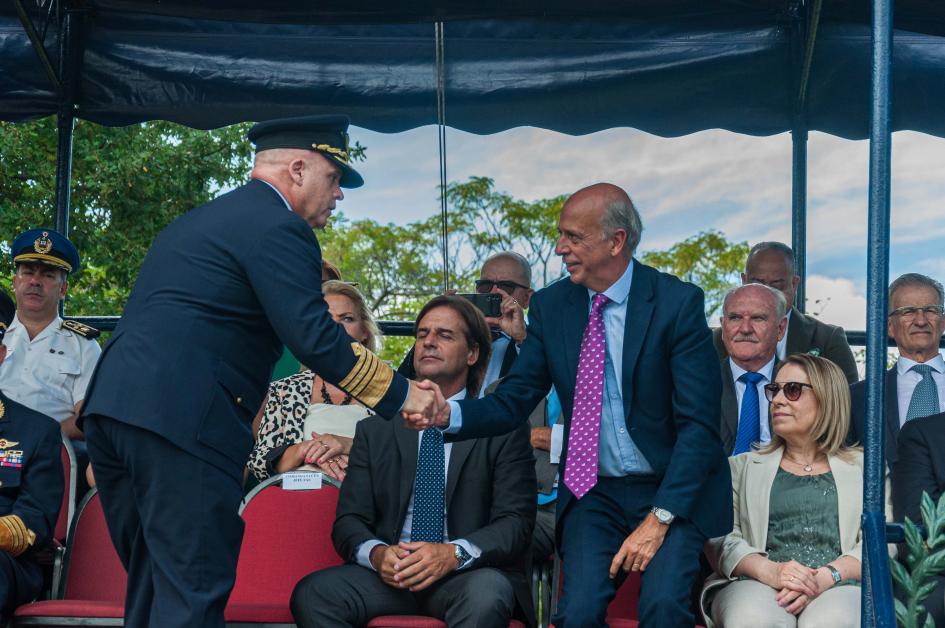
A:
(287, 537)
(93, 571)
(67, 507)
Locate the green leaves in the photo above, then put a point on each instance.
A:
(924, 559)
(706, 259)
(128, 184)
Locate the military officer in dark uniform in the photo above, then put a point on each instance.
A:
(31, 486)
(169, 410)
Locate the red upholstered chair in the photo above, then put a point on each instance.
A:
(622, 612)
(93, 576)
(416, 621)
(287, 537)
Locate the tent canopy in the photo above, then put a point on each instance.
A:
(669, 67)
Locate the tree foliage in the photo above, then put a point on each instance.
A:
(128, 183)
(923, 561)
(706, 259)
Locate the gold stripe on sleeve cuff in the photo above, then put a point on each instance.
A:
(21, 537)
(369, 379)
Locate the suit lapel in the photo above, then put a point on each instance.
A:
(575, 321)
(800, 333)
(729, 427)
(758, 490)
(458, 454)
(848, 479)
(639, 313)
(892, 404)
(408, 444)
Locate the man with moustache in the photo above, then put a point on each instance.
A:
(753, 320)
(772, 264)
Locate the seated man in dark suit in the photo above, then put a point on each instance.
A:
(31, 486)
(915, 386)
(753, 320)
(430, 528)
(921, 468)
(772, 264)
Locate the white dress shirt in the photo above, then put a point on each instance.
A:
(766, 372)
(50, 373)
(363, 555)
(908, 379)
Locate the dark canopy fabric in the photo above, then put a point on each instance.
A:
(670, 68)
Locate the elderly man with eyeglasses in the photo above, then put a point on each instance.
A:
(915, 386)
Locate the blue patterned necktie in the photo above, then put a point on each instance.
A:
(749, 418)
(429, 489)
(924, 400)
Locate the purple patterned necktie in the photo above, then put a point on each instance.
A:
(584, 438)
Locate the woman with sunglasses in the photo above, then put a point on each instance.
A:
(793, 557)
(305, 421)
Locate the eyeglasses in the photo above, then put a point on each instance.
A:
(908, 312)
(484, 286)
(792, 390)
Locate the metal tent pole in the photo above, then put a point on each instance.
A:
(65, 118)
(877, 598)
(799, 210)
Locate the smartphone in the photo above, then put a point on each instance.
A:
(489, 304)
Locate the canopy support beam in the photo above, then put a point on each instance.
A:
(877, 598)
(69, 52)
(38, 47)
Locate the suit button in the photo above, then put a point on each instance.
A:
(239, 400)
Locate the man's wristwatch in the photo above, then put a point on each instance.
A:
(663, 516)
(461, 555)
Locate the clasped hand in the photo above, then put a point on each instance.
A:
(413, 566)
(425, 406)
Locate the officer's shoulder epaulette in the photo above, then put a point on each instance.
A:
(83, 330)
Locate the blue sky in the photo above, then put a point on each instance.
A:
(737, 184)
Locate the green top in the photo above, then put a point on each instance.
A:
(803, 522)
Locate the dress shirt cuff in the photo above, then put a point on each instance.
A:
(363, 555)
(473, 551)
(456, 419)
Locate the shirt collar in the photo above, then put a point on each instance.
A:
(904, 365)
(54, 325)
(765, 370)
(458, 396)
(276, 190)
(619, 291)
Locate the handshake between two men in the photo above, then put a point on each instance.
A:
(425, 406)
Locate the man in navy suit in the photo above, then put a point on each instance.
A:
(168, 412)
(645, 480)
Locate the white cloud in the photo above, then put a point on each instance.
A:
(836, 300)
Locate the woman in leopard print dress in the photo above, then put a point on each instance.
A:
(282, 444)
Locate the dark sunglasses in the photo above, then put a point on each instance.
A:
(792, 390)
(484, 286)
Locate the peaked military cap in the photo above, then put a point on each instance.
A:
(7, 310)
(45, 246)
(326, 135)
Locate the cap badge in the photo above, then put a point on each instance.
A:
(43, 244)
(342, 155)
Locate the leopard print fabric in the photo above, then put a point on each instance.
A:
(283, 419)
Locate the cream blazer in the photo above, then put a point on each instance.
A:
(752, 477)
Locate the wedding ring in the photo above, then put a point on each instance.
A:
(636, 566)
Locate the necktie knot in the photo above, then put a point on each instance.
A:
(922, 369)
(751, 378)
(924, 401)
(600, 300)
